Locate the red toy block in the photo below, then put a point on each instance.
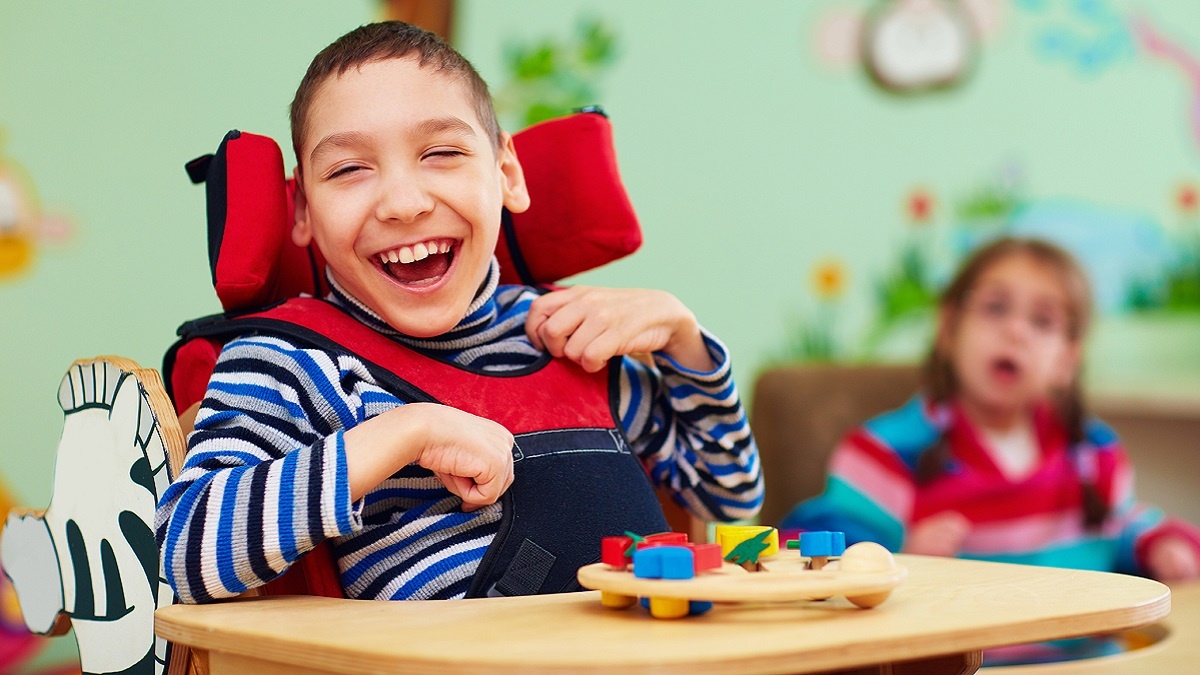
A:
(707, 557)
(612, 551)
(664, 539)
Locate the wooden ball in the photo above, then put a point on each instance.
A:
(867, 556)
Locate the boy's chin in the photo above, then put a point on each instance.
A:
(423, 325)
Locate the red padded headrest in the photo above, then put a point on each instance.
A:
(580, 216)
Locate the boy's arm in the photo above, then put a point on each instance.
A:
(690, 428)
(265, 479)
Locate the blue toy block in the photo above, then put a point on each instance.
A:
(663, 562)
(826, 544)
(698, 607)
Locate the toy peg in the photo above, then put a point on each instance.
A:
(821, 546)
(616, 600)
(669, 608)
(667, 562)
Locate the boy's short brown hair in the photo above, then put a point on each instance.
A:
(389, 40)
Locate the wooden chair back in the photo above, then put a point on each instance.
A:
(89, 561)
(800, 412)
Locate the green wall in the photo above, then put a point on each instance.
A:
(100, 105)
(748, 160)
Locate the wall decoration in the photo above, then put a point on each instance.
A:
(915, 45)
(1174, 53)
(23, 224)
(1136, 265)
(1089, 35)
(909, 46)
(550, 78)
(813, 337)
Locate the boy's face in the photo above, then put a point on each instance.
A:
(396, 167)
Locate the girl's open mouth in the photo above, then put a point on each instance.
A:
(1005, 369)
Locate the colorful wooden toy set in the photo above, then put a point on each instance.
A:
(675, 578)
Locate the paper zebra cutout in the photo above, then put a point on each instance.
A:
(90, 561)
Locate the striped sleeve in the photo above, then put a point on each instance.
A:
(871, 486)
(1136, 525)
(691, 430)
(265, 477)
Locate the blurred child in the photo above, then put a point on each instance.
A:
(996, 458)
(402, 175)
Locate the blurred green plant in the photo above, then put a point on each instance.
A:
(992, 204)
(549, 78)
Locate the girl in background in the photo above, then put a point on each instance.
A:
(997, 459)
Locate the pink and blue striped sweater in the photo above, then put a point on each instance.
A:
(873, 493)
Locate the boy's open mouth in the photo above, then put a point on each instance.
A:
(420, 264)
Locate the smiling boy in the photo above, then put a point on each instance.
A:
(402, 174)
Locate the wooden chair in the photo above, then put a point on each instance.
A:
(799, 414)
(89, 560)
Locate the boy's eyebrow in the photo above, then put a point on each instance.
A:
(444, 124)
(339, 139)
(428, 127)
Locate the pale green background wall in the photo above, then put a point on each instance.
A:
(748, 161)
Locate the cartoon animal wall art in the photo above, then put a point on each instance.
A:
(24, 227)
(90, 561)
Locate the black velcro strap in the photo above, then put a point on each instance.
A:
(197, 169)
(526, 573)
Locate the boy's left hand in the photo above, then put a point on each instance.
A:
(591, 325)
(1173, 558)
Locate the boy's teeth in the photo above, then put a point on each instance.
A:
(421, 251)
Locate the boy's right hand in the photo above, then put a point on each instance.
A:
(940, 534)
(470, 455)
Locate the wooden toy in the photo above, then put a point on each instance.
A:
(90, 561)
(669, 580)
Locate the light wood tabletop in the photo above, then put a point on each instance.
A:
(938, 620)
(1174, 647)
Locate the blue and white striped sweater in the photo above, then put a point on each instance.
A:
(265, 477)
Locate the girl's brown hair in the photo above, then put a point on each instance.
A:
(940, 380)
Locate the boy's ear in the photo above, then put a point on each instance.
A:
(301, 229)
(515, 191)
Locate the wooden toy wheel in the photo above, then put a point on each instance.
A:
(870, 600)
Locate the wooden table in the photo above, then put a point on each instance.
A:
(936, 622)
(1176, 650)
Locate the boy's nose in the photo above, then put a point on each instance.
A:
(402, 199)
